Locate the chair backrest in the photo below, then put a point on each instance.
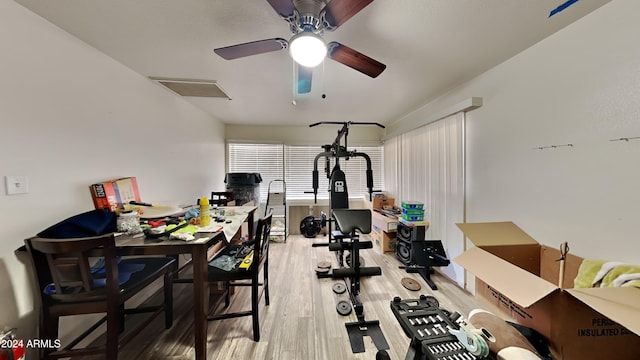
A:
(65, 263)
(261, 243)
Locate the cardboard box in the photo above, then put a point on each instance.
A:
(412, 218)
(381, 202)
(412, 205)
(113, 193)
(518, 278)
(414, 223)
(383, 241)
(383, 222)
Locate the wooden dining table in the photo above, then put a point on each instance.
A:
(201, 250)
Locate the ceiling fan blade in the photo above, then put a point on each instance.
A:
(355, 60)
(337, 12)
(304, 79)
(284, 8)
(252, 48)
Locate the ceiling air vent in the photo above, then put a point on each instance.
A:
(191, 87)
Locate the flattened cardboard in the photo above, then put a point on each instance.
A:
(495, 233)
(618, 304)
(550, 266)
(525, 256)
(523, 287)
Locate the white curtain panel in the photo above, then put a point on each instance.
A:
(427, 165)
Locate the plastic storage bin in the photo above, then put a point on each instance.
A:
(245, 187)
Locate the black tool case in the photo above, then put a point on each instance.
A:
(428, 327)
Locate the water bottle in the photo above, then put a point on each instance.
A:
(205, 217)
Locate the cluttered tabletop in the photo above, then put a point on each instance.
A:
(160, 223)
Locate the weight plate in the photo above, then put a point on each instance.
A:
(343, 308)
(348, 260)
(324, 264)
(339, 288)
(410, 284)
(322, 270)
(309, 227)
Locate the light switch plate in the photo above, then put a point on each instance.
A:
(16, 184)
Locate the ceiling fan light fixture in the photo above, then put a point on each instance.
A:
(307, 49)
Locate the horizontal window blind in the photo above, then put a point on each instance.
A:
(299, 160)
(294, 164)
(265, 159)
(298, 172)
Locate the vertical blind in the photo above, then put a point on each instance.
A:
(427, 165)
(294, 164)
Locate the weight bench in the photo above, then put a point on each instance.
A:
(349, 221)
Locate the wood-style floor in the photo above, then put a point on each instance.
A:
(301, 321)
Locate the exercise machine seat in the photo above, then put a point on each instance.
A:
(349, 220)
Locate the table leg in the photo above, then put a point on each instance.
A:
(200, 300)
(250, 222)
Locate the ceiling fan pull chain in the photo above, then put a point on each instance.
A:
(324, 94)
(294, 83)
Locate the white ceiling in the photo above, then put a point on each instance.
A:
(429, 47)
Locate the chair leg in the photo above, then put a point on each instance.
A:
(254, 309)
(266, 282)
(121, 318)
(168, 299)
(227, 294)
(48, 329)
(114, 315)
(176, 267)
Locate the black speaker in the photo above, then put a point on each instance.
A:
(421, 253)
(403, 251)
(410, 233)
(428, 253)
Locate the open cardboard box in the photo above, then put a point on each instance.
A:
(379, 200)
(518, 278)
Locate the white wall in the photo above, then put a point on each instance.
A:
(70, 117)
(580, 86)
(359, 135)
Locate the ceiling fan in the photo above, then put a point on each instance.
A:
(308, 19)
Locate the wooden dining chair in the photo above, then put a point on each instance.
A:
(244, 275)
(67, 284)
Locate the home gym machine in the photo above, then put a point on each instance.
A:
(345, 237)
(338, 194)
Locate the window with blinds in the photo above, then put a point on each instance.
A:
(299, 160)
(265, 159)
(294, 164)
